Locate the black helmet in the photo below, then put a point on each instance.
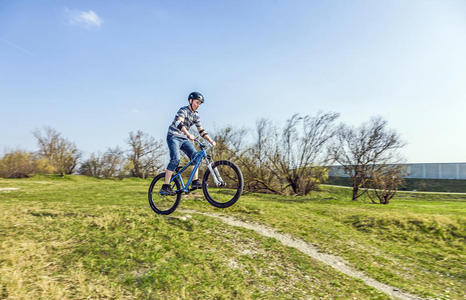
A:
(196, 96)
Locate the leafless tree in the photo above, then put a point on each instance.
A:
(266, 135)
(303, 143)
(288, 160)
(112, 163)
(145, 154)
(255, 162)
(364, 150)
(107, 165)
(384, 183)
(92, 166)
(229, 142)
(62, 154)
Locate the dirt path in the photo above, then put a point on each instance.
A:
(333, 261)
(8, 189)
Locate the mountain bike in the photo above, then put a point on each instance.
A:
(222, 184)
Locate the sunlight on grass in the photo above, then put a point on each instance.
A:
(79, 237)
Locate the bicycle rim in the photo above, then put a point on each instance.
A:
(163, 204)
(227, 193)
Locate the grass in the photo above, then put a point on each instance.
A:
(81, 237)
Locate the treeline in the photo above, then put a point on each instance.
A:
(288, 159)
(142, 158)
(293, 159)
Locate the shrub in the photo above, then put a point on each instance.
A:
(21, 164)
(44, 166)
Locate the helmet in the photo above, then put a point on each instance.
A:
(196, 96)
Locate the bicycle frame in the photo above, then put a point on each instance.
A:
(196, 161)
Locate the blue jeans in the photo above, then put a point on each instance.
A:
(174, 145)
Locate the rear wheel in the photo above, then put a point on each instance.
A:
(163, 204)
(229, 190)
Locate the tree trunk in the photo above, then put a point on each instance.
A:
(355, 192)
(386, 199)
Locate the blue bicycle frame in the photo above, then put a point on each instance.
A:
(196, 160)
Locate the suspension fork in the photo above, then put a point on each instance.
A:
(215, 173)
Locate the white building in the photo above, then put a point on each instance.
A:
(422, 170)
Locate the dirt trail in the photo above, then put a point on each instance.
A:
(333, 261)
(9, 189)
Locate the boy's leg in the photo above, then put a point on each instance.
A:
(196, 174)
(173, 147)
(188, 148)
(166, 189)
(168, 176)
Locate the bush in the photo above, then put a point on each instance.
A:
(17, 164)
(44, 166)
(21, 164)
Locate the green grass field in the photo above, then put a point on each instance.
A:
(80, 237)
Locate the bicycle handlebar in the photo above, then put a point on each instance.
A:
(200, 143)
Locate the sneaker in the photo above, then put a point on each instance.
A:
(166, 190)
(196, 184)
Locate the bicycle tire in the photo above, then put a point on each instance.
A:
(221, 199)
(155, 203)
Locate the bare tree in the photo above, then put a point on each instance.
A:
(62, 154)
(364, 150)
(145, 154)
(229, 142)
(287, 160)
(263, 146)
(92, 166)
(255, 162)
(112, 163)
(384, 183)
(107, 165)
(302, 146)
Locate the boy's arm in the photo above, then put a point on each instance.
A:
(183, 129)
(211, 141)
(206, 136)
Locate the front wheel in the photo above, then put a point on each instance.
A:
(229, 186)
(163, 204)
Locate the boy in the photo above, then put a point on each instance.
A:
(178, 137)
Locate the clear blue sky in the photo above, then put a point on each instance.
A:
(95, 70)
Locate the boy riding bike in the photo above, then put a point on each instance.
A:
(178, 137)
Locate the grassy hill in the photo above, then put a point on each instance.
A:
(79, 237)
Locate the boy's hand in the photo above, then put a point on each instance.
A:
(213, 143)
(191, 137)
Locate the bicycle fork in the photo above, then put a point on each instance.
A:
(215, 173)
